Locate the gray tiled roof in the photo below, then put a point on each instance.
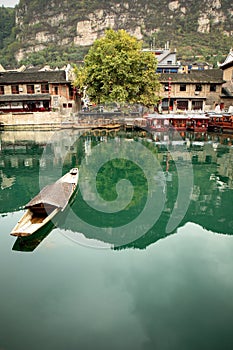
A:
(33, 77)
(21, 97)
(205, 76)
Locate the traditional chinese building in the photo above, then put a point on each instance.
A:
(36, 91)
(227, 88)
(196, 90)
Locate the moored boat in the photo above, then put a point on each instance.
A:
(165, 122)
(51, 200)
(220, 122)
(157, 122)
(197, 122)
(178, 121)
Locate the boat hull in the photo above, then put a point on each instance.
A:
(30, 224)
(43, 208)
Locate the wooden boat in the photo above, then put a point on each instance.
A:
(178, 121)
(31, 242)
(157, 122)
(220, 122)
(106, 126)
(165, 122)
(51, 200)
(197, 122)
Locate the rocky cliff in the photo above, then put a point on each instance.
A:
(41, 23)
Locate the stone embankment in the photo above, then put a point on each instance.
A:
(31, 120)
(56, 120)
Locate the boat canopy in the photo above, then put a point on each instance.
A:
(56, 194)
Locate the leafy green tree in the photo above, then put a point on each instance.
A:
(116, 69)
(80, 78)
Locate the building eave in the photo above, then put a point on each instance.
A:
(186, 97)
(9, 78)
(25, 97)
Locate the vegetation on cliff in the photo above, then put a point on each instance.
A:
(7, 35)
(56, 32)
(7, 22)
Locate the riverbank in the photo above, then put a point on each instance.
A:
(31, 120)
(53, 121)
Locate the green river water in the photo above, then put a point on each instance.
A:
(142, 258)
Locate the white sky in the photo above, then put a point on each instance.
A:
(9, 3)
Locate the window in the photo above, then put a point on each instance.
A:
(173, 70)
(182, 104)
(15, 89)
(4, 105)
(212, 87)
(182, 87)
(197, 105)
(71, 92)
(44, 88)
(169, 62)
(56, 90)
(198, 87)
(165, 104)
(2, 90)
(30, 89)
(166, 87)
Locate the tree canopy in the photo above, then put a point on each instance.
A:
(116, 69)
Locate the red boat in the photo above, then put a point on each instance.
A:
(220, 122)
(158, 122)
(165, 122)
(197, 122)
(178, 121)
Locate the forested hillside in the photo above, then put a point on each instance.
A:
(58, 32)
(7, 24)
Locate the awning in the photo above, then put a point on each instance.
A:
(56, 194)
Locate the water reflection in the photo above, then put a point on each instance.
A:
(210, 206)
(30, 243)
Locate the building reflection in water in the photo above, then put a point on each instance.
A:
(211, 156)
